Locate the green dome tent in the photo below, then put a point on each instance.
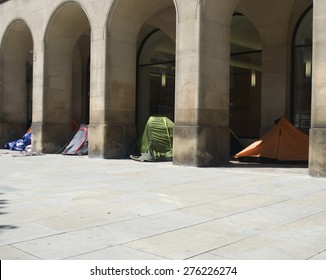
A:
(156, 143)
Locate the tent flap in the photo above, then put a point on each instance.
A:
(79, 144)
(157, 140)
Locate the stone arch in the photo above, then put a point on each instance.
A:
(156, 59)
(16, 81)
(298, 9)
(225, 7)
(155, 78)
(126, 23)
(66, 74)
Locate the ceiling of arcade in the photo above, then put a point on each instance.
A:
(164, 20)
(142, 16)
(68, 23)
(269, 16)
(17, 41)
(136, 11)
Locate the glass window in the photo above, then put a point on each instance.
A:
(302, 72)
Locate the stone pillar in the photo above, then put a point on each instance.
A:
(51, 102)
(38, 98)
(1, 97)
(201, 133)
(97, 126)
(112, 127)
(57, 99)
(317, 149)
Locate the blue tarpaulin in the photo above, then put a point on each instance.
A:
(20, 144)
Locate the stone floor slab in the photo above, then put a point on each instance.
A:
(17, 232)
(301, 239)
(147, 226)
(70, 244)
(12, 253)
(60, 207)
(117, 253)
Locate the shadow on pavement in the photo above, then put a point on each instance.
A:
(4, 202)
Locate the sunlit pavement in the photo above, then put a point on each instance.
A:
(67, 207)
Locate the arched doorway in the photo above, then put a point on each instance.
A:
(245, 78)
(128, 23)
(302, 72)
(67, 75)
(17, 80)
(156, 78)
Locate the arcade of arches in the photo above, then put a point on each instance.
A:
(210, 66)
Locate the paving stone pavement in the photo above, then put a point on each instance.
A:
(58, 207)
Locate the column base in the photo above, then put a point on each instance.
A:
(111, 141)
(201, 146)
(317, 152)
(50, 138)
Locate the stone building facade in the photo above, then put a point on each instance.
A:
(210, 65)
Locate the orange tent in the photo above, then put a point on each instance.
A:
(283, 142)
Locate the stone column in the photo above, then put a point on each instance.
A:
(1, 98)
(201, 133)
(57, 99)
(112, 119)
(38, 98)
(317, 149)
(97, 126)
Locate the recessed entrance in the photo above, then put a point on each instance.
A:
(245, 78)
(156, 78)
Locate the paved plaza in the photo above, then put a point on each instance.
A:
(58, 207)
